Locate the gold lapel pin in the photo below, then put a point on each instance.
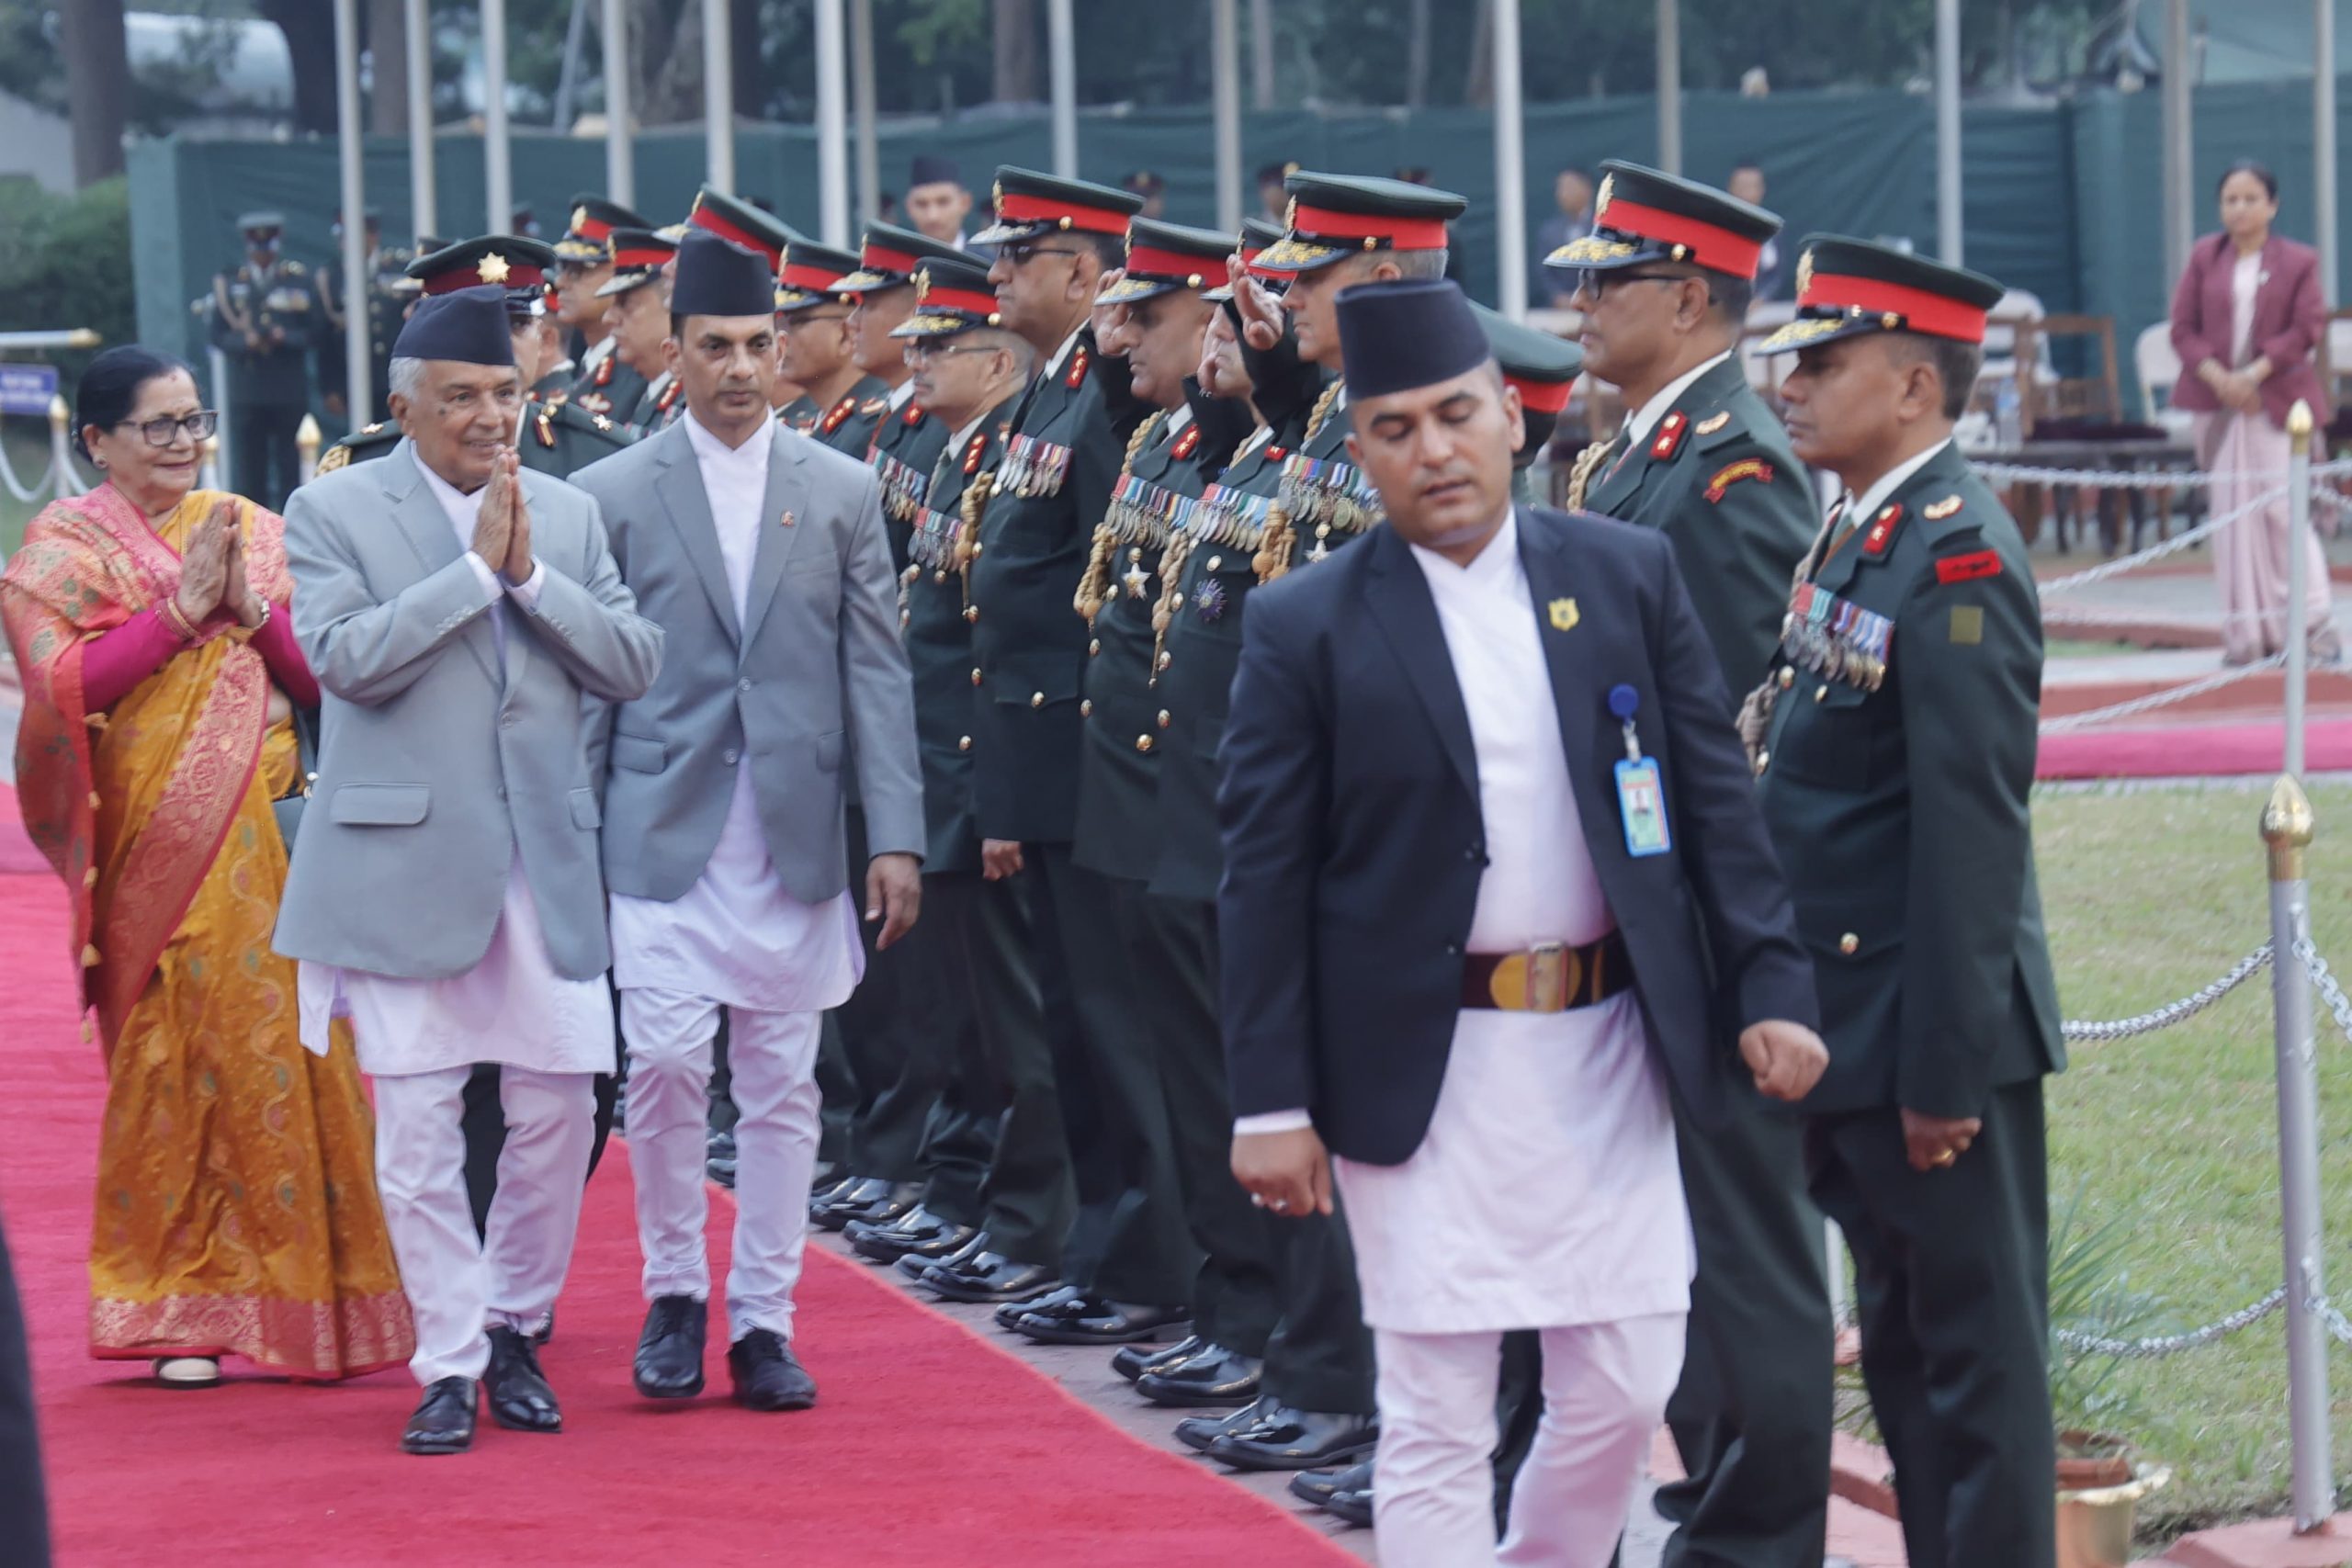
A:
(1564, 615)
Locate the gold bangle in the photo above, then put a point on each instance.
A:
(174, 619)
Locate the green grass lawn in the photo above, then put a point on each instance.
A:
(2150, 895)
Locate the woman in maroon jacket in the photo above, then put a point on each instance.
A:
(2244, 321)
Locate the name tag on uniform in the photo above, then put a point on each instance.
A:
(1641, 804)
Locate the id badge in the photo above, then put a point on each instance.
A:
(1641, 804)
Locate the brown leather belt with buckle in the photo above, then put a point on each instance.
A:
(1549, 977)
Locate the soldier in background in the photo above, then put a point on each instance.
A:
(884, 291)
(638, 292)
(383, 273)
(263, 321)
(583, 265)
(814, 315)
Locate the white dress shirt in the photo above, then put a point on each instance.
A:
(736, 937)
(1642, 420)
(1547, 1191)
(511, 1007)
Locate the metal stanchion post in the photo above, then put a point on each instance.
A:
(2298, 533)
(223, 449)
(306, 446)
(60, 449)
(209, 472)
(2287, 828)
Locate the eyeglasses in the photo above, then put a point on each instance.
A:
(1596, 281)
(1020, 251)
(199, 427)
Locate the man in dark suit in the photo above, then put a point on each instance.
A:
(1471, 933)
(1895, 774)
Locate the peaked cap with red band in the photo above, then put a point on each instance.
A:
(739, 222)
(889, 257)
(518, 265)
(1846, 287)
(1333, 216)
(1258, 234)
(1029, 205)
(809, 275)
(1541, 365)
(638, 255)
(1165, 257)
(952, 295)
(1647, 215)
(594, 219)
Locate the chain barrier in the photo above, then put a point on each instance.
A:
(2165, 1016)
(2162, 1345)
(2066, 724)
(48, 485)
(2324, 982)
(2157, 551)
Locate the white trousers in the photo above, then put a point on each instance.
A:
(457, 1284)
(1605, 1387)
(773, 1058)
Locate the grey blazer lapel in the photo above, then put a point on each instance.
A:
(786, 498)
(426, 527)
(679, 482)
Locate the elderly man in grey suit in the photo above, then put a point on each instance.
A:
(762, 555)
(444, 892)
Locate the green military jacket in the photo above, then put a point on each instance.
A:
(612, 389)
(903, 450)
(1717, 476)
(849, 425)
(1894, 777)
(266, 320)
(559, 438)
(1029, 646)
(939, 638)
(799, 414)
(663, 404)
(387, 304)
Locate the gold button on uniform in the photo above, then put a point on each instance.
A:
(1094, 648)
(1086, 707)
(1036, 699)
(1143, 743)
(1763, 760)
(964, 743)
(1821, 693)
(976, 674)
(1850, 944)
(1215, 561)
(971, 612)
(1788, 677)
(1163, 718)
(1166, 659)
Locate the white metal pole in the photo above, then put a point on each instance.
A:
(348, 132)
(1062, 57)
(1510, 167)
(1949, 242)
(422, 218)
(222, 451)
(2324, 143)
(2298, 534)
(833, 124)
(498, 177)
(2180, 218)
(1225, 75)
(1670, 84)
(862, 108)
(620, 151)
(718, 98)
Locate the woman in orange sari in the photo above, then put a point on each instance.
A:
(236, 1202)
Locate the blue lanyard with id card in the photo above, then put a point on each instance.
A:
(1641, 798)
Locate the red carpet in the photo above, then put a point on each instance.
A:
(2190, 748)
(969, 1455)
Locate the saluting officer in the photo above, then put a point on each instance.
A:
(813, 313)
(262, 320)
(1171, 1079)
(583, 265)
(997, 1171)
(1895, 774)
(1664, 281)
(1056, 238)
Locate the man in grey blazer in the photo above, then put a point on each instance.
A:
(444, 892)
(762, 553)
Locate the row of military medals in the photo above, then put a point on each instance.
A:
(1826, 635)
(1332, 496)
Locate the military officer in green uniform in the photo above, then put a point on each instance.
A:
(879, 430)
(583, 265)
(265, 321)
(1664, 281)
(1896, 755)
(382, 273)
(638, 297)
(1158, 314)
(997, 1176)
(814, 313)
(1055, 239)
(1542, 368)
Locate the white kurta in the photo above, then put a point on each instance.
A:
(736, 937)
(1547, 1192)
(511, 1007)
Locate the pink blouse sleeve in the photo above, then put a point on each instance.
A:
(115, 661)
(275, 642)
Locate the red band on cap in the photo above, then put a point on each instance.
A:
(1541, 397)
(1921, 311)
(806, 275)
(1151, 262)
(594, 229)
(879, 258)
(709, 218)
(636, 256)
(1402, 233)
(1015, 208)
(969, 301)
(1711, 246)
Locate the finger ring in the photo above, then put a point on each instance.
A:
(1257, 1201)
(1279, 1205)
(1946, 1157)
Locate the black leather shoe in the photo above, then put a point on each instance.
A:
(1355, 1506)
(915, 1265)
(895, 1200)
(1218, 1376)
(1009, 1313)
(444, 1421)
(519, 1395)
(1316, 1486)
(990, 1277)
(1283, 1439)
(1202, 1432)
(1090, 1319)
(851, 1201)
(918, 1231)
(823, 1192)
(719, 1159)
(828, 1174)
(669, 1351)
(767, 1375)
(1131, 1361)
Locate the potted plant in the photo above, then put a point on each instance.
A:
(2099, 1480)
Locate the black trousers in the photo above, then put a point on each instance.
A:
(267, 462)
(890, 1066)
(1320, 1356)
(1951, 1271)
(24, 1509)
(1237, 1294)
(1129, 1241)
(995, 1147)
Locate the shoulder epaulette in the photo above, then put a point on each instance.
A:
(872, 406)
(1667, 439)
(838, 413)
(1079, 363)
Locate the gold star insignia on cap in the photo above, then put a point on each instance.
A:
(1804, 274)
(1564, 615)
(491, 268)
(1600, 200)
